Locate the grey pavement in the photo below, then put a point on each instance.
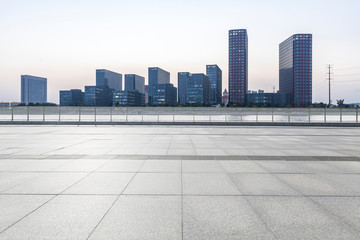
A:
(179, 182)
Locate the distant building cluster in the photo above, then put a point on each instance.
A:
(194, 89)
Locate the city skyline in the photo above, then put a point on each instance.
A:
(35, 41)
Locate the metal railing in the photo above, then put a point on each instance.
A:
(178, 115)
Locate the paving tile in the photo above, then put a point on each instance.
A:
(11, 179)
(142, 217)
(201, 166)
(241, 167)
(101, 183)
(208, 184)
(41, 165)
(155, 183)
(161, 166)
(15, 207)
(8, 164)
(82, 165)
(64, 217)
(262, 184)
(211, 218)
(300, 218)
(346, 208)
(122, 166)
(282, 167)
(348, 181)
(47, 183)
(311, 184)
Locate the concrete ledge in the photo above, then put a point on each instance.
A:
(298, 124)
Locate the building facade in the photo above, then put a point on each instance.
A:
(183, 77)
(157, 76)
(108, 78)
(295, 69)
(198, 89)
(134, 82)
(238, 66)
(164, 94)
(33, 89)
(131, 98)
(73, 97)
(215, 76)
(98, 96)
(262, 99)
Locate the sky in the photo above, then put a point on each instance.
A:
(66, 41)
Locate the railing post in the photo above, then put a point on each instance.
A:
(272, 114)
(27, 113)
(111, 114)
(289, 115)
(357, 115)
(325, 115)
(257, 115)
(95, 114)
(309, 115)
(225, 117)
(341, 111)
(59, 114)
(209, 118)
(158, 119)
(12, 113)
(241, 115)
(173, 117)
(79, 113)
(126, 114)
(43, 113)
(193, 118)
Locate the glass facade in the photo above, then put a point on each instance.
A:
(134, 82)
(295, 69)
(198, 89)
(73, 97)
(183, 77)
(128, 98)
(108, 78)
(98, 96)
(215, 76)
(164, 94)
(33, 89)
(238, 66)
(157, 76)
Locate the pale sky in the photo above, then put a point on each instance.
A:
(65, 41)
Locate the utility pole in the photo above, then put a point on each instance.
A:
(329, 68)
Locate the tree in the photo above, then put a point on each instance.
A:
(340, 102)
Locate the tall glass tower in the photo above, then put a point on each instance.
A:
(108, 78)
(157, 76)
(215, 76)
(33, 89)
(238, 66)
(134, 82)
(295, 69)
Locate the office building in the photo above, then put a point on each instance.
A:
(198, 89)
(295, 69)
(33, 89)
(134, 82)
(215, 76)
(98, 96)
(73, 97)
(131, 98)
(146, 94)
(238, 66)
(262, 99)
(108, 78)
(164, 94)
(183, 77)
(157, 76)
